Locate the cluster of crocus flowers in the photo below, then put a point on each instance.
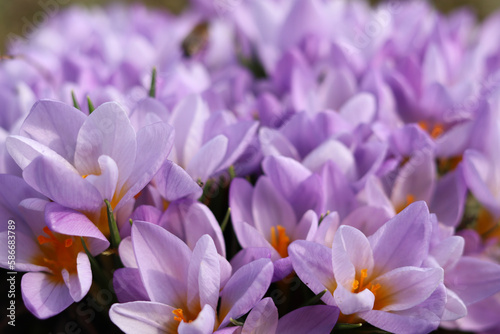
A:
(270, 167)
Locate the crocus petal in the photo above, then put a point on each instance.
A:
(351, 253)
(80, 283)
(263, 318)
(244, 289)
(270, 208)
(309, 319)
(313, 264)
(143, 317)
(163, 276)
(62, 185)
(406, 287)
(247, 255)
(154, 142)
(473, 279)
(403, 240)
(448, 251)
(70, 222)
(287, 174)
(204, 275)
(455, 307)
(128, 285)
(107, 131)
(199, 221)
(282, 268)
(240, 136)
(359, 109)
(106, 181)
(240, 202)
(55, 125)
(174, 183)
(126, 252)
(335, 151)
(42, 296)
(349, 302)
(274, 142)
(203, 324)
(307, 226)
(208, 158)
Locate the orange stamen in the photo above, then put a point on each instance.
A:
(280, 240)
(85, 176)
(179, 315)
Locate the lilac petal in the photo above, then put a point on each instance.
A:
(25, 254)
(188, 119)
(107, 131)
(287, 174)
(14, 190)
(229, 330)
(204, 275)
(199, 221)
(106, 181)
(248, 255)
(473, 279)
(313, 264)
(143, 317)
(203, 324)
(406, 287)
(154, 143)
(309, 319)
(282, 268)
(24, 150)
(307, 226)
(423, 318)
(449, 198)
(367, 219)
(240, 202)
(240, 136)
(146, 213)
(62, 185)
(339, 196)
(335, 151)
(275, 143)
(55, 125)
(164, 277)
(208, 158)
(244, 289)
(455, 307)
(250, 237)
(128, 285)
(359, 109)
(477, 173)
(270, 209)
(174, 183)
(225, 271)
(126, 252)
(263, 318)
(403, 240)
(70, 222)
(448, 252)
(80, 283)
(308, 196)
(327, 229)
(42, 296)
(350, 303)
(351, 253)
(146, 112)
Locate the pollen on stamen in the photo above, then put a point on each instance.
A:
(179, 315)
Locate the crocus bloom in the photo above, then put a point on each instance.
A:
(58, 268)
(79, 161)
(376, 279)
(264, 319)
(184, 286)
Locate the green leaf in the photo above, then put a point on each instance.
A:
(340, 326)
(226, 220)
(232, 172)
(314, 300)
(131, 221)
(91, 106)
(152, 89)
(236, 322)
(113, 228)
(75, 101)
(323, 217)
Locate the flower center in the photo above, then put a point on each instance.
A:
(435, 131)
(361, 284)
(179, 316)
(280, 240)
(57, 254)
(487, 226)
(409, 200)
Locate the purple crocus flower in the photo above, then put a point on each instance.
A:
(58, 268)
(375, 279)
(264, 319)
(79, 161)
(184, 288)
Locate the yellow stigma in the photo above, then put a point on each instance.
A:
(179, 315)
(84, 176)
(409, 199)
(360, 285)
(280, 240)
(435, 131)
